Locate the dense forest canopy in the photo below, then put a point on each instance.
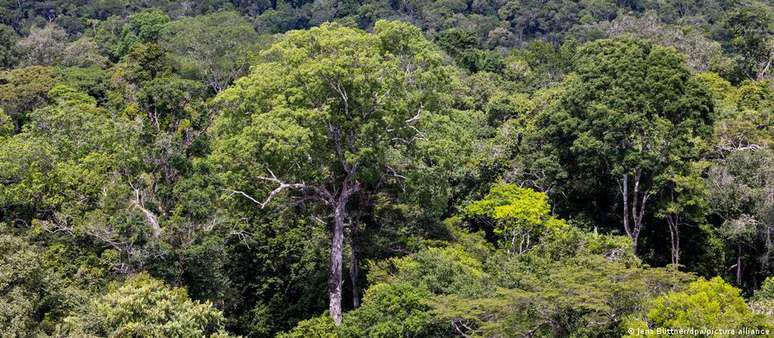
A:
(481, 168)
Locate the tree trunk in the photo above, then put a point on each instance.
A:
(674, 233)
(632, 232)
(625, 195)
(354, 272)
(769, 246)
(634, 206)
(334, 275)
(739, 265)
(337, 248)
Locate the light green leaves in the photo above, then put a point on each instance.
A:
(511, 202)
(709, 304)
(519, 213)
(144, 306)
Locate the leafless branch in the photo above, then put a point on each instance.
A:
(319, 193)
(150, 217)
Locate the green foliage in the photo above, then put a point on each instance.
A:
(91, 80)
(318, 327)
(575, 283)
(125, 130)
(24, 89)
(581, 297)
(281, 270)
(83, 52)
(216, 47)
(389, 310)
(519, 213)
(512, 203)
(737, 184)
(749, 33)
(6, 124)
(438, 270)
(64, 164)
(8, 39)
(462, 45)
(675, 108)
(711, 304)
(280, 113)
(144, 306)
(629, 112)
(43, 46)
(23, 285)
(767, 289)
(144, 27)
(763, 301)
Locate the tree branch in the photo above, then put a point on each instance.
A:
(320, 193)
(150, 217)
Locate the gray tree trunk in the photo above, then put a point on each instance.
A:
(334, 275)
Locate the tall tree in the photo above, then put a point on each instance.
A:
(684, 200)
(740, 195)
(630, 109)
(326, 115)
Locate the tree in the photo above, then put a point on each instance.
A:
(83, 52)
(6, 124)
(748, 33)
(24, 89)
(23, 285)
(324, 115)
(710, 304)
(630, 109)
(8, 39)
(145, 306)
(685, 200)
(215, 46)
(763, 300)
(390, 310)
(570, 283)
(740, 184)
(143, 27)
(739, 232)
(521, 214)
(767, 289)
(702, 53)
(449, 270)
(71, 171)
(583, 296)
(44, 46)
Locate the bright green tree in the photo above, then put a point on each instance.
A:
(709, 304)
(521, 214)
